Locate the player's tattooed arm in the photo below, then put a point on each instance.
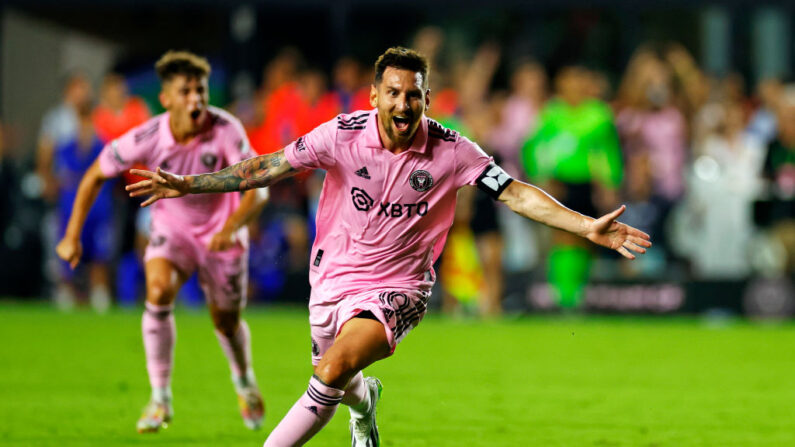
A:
(257, 172)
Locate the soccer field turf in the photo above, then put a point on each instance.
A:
(79, 380)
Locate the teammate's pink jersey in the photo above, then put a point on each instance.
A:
(383, 218)
(152, 144)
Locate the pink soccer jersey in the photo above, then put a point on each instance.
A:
(382, 218)
(153, 145)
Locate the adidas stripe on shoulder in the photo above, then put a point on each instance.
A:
(436, 130)
(147, 132)
(353, 122)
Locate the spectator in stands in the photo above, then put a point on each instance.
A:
(779, 171)
(287, 97)
(518, 115)
(723, 184)
(650, 125)
(351, 85)
(653, 131)
(59, 125)
(117, 111)
(693, 84)
(516, 120)
(72, 158)
(763, 122)
(646, 211)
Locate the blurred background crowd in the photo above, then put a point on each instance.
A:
(685, 114)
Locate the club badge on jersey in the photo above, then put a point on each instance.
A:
(493, 180)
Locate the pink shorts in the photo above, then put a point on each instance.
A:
(223, 275)
(398, 310)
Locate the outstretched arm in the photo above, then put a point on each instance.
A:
(256, 172)
(533, 203)
(69, 248)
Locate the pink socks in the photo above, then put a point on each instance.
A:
(311, 413)
(160, 334)
(238, 351)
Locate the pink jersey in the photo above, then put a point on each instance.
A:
(382, 218)
(153, 145)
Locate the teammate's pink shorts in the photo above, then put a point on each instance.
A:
(223, 275)
(398, 310)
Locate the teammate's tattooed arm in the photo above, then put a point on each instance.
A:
(256, 172)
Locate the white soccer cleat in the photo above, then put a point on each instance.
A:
(156, 415)
(364, 431)
(252, 406)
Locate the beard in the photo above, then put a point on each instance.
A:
(394, 134)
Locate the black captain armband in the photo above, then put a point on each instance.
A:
(493, 180)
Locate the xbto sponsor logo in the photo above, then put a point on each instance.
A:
(402, 209)
(363, 202)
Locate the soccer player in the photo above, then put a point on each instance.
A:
(387, 204)
(194, 233)
(575, 152)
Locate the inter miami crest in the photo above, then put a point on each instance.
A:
(421, 180)
(209, 159)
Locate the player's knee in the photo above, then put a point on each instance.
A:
(160, 294)
(226, 322)
(335, 372)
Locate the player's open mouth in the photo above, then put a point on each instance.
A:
(195, 114)
(401, 123)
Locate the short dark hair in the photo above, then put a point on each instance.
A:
(184, 63)
(404, 58)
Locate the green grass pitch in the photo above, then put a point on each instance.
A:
(79, 380)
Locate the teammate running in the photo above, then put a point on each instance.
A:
(195, 233)
(387, 203)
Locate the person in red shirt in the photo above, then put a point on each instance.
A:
(351, 85)
(117, 111)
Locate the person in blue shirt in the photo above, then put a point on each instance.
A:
(71, 158)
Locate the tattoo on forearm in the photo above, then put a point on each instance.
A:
(253, 173)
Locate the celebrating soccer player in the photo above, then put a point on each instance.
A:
(387, 203)
(194, 233)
